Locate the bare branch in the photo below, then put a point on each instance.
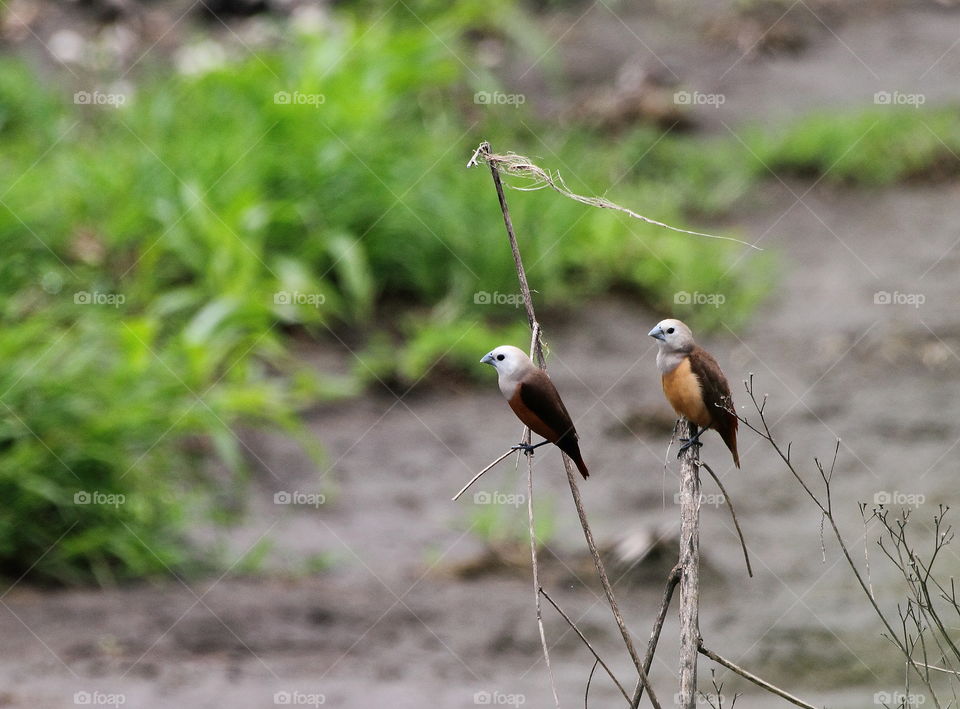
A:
(753, 678)
(672, 580)
(826, 508)
(536, 572)
(587, 643)
(478, 475)
(729, 501)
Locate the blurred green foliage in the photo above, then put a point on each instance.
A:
(159, 252)
(500, 519)
(874, 147)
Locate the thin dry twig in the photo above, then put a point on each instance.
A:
(587, 643)
(825, 505)
(518, 165)
(753, 678)
(477, 476)
(726, 497)
(586, 690)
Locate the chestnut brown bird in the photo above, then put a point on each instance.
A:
(694, 385)
(534, 399)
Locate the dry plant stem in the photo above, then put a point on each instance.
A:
(537, 349)
(689, 570)
(672, 580)
(477, 476)
(826, 507)
(533, 552)
(536, 580)
(942, 669)
(587, 643)
(586, 690)
(605, 581)
(736, 523)
(753, 678)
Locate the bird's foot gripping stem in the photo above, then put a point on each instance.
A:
(527, 448)
(694, 440)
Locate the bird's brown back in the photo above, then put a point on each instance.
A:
(716, 397)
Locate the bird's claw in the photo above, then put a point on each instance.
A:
(525, 447)
(687, 442)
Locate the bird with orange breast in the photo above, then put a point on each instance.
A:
(536, 402)
(694, 385)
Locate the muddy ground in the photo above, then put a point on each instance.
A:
(410, 611)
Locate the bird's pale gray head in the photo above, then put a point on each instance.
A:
(507, 360)
(673, 336)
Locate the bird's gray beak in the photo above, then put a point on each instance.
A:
(487, 358)
(657, 334)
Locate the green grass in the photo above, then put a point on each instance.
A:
(876, 147)
(222, 219)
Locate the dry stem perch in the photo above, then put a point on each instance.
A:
(689, 569)
(535, 336)
(537, 352)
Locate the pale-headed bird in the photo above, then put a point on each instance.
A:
(694, 384)
(534, 399)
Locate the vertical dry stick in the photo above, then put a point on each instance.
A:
(536, 575)
(689, 570)
(672, 580)
(533, 547)
(537, 347)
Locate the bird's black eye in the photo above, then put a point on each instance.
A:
(499, 358)
(670, 330)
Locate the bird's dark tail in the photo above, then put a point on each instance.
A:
(572, 449)
(729, 435)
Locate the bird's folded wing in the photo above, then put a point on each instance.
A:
(713, 385)
(539, 395)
